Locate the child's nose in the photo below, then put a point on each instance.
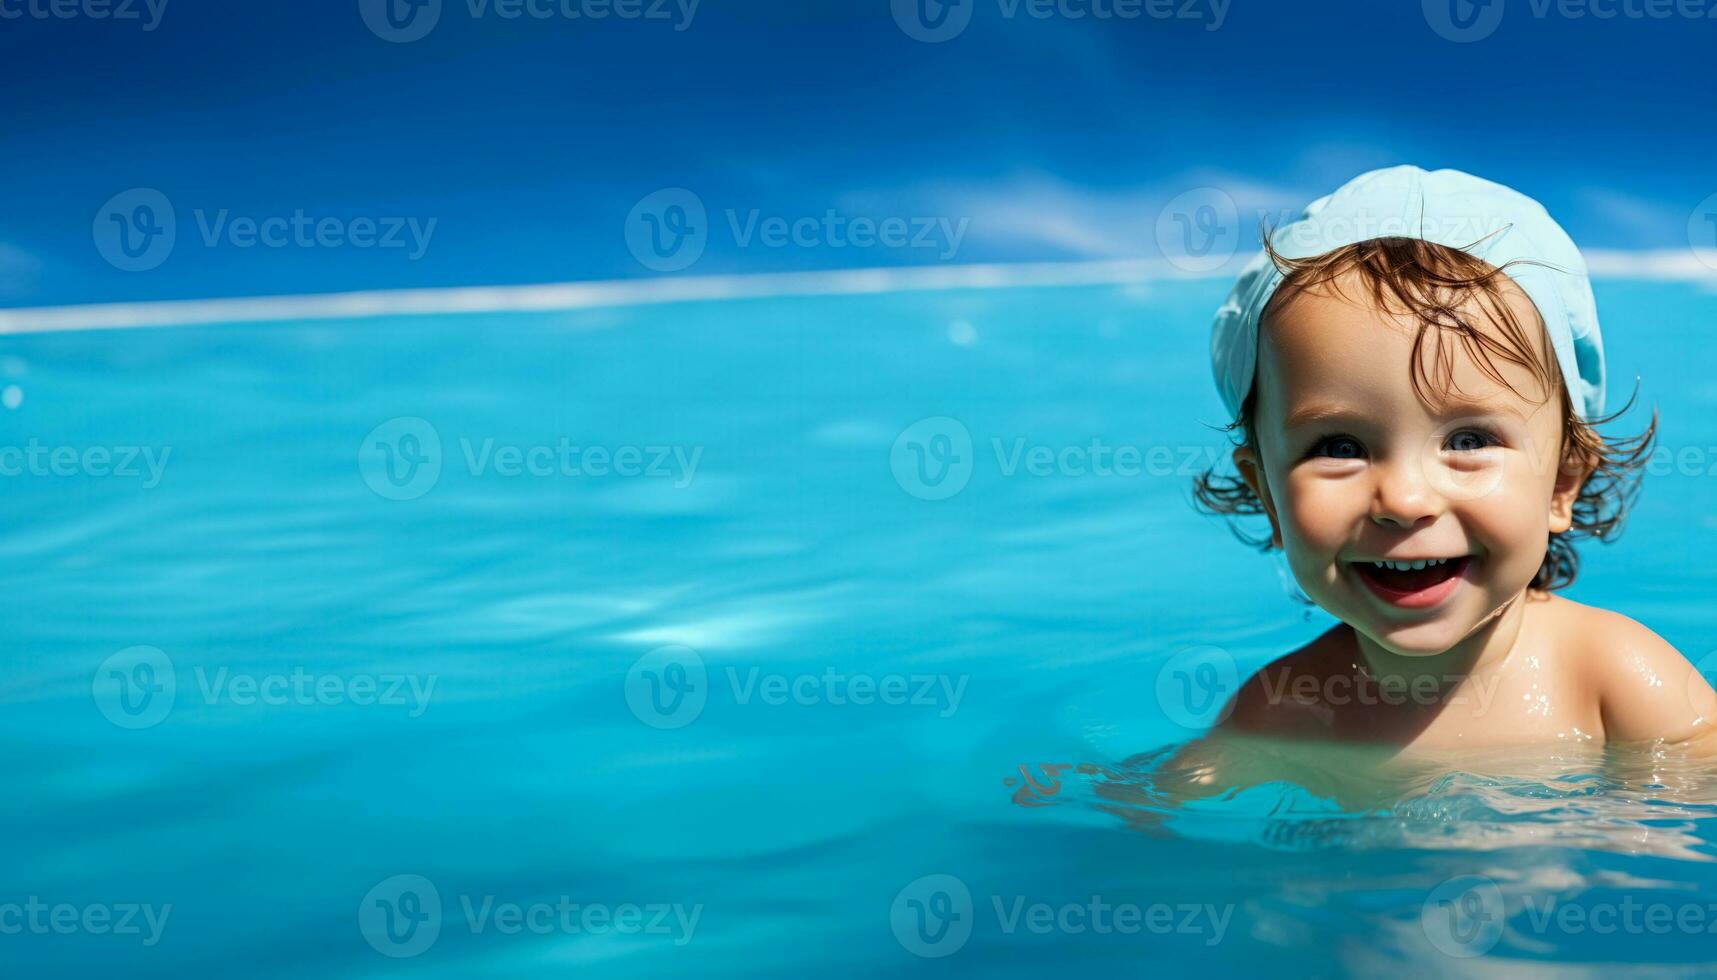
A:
(1404, 497)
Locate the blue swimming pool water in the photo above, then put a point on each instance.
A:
(325, 711)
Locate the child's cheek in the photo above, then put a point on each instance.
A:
(1320, 514)
(1511, 526)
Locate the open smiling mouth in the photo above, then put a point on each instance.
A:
(1412, 584)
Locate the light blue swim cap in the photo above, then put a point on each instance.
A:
(1448, 207)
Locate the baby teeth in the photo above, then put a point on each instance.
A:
(1410, 566)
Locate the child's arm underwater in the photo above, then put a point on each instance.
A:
(1259, 737)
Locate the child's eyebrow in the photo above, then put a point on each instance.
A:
(1454, 408)
(1319, 412)
(1451, 408)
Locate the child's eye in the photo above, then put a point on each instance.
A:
(1470, 440)
(1338, 447)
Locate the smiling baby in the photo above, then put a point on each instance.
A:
(1415, 370)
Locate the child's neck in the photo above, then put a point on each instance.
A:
(1486, 646)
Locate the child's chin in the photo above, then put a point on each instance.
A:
(1416, 639)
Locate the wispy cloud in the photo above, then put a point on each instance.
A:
(18, 271)
(1039, 214)
(1681, 265)
(1635, 221)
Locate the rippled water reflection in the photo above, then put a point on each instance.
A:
(903, 826)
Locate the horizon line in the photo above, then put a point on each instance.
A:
(1680, 265)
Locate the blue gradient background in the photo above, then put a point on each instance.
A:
(529, 140)
(801, 828)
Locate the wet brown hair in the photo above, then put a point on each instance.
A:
(1430, 283)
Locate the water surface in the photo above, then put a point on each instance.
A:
(786, 666)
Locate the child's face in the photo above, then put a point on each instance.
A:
(1353, 468)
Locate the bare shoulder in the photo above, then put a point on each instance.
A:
(1645, 688)
(1283, 696)
(1604, 642)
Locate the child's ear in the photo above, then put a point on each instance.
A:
(1251, 470)
(1570, 477)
